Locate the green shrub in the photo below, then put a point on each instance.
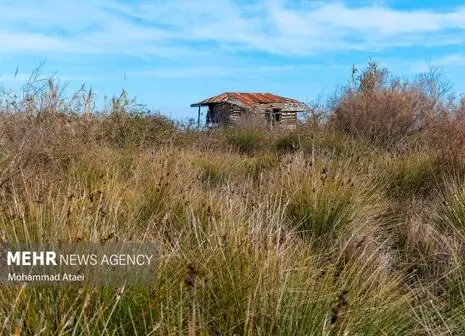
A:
(212, 174)
(135, 130)
(288, 142)
(451, 213)
(260, 165)
(318, 212)
(413, 174)
(246, 141)
(326, 202)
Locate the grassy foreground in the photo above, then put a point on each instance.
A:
(325, 230)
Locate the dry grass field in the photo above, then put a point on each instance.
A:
(352, 224)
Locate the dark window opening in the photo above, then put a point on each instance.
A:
(212, 117)
(273, 115)
(277, 114)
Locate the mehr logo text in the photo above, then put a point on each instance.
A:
(50, 258)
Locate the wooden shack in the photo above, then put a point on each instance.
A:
(231, 107)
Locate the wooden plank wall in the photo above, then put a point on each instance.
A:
(236, 113)
(229, 113)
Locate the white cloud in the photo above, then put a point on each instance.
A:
(23, 78)
(21, 42)
(446, 63)
(176, 28)
(451, 60)
(217, 71)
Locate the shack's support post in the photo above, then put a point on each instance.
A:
(198, 118)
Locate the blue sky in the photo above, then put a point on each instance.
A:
(170, 54)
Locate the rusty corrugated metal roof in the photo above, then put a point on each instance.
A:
(246, 99)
